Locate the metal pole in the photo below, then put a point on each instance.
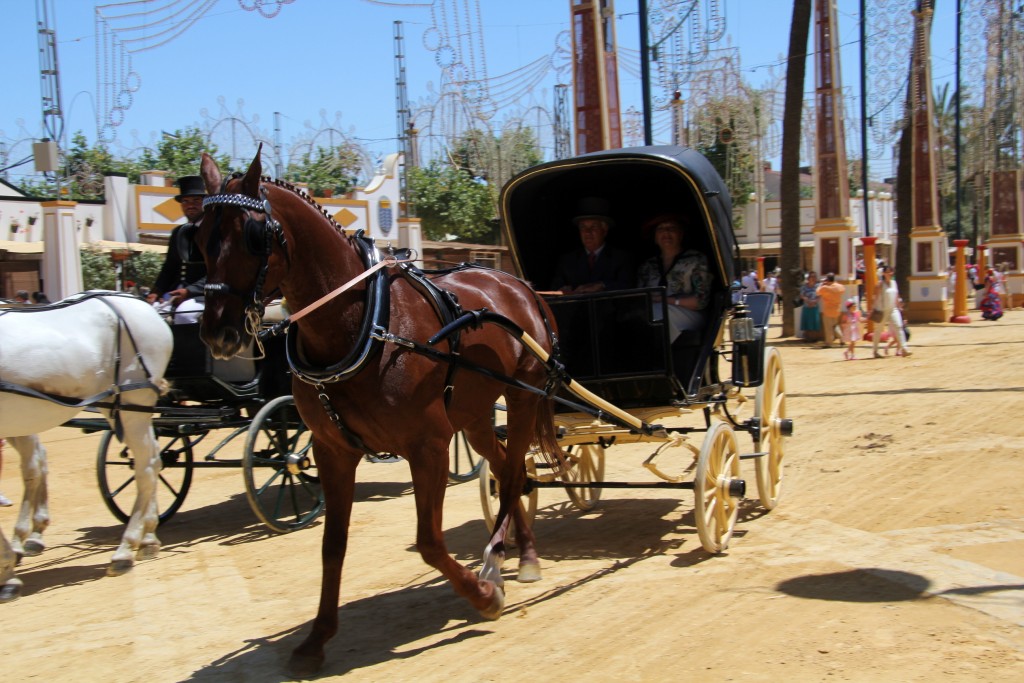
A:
(864, 115)
(279, 163)
(956, 121)
(645, 73)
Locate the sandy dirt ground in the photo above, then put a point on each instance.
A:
(896, 554)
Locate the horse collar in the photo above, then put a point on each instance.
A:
(368, 341)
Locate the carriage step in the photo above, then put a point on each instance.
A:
(383, 458)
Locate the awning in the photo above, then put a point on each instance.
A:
(21, 247)
(772, 247)
(105, 246)
(110, 245)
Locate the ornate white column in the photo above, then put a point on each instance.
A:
(62, 259)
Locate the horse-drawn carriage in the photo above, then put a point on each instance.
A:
(389, 358)
(620, 352)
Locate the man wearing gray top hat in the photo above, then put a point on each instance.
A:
(595, 266)
(183, 275)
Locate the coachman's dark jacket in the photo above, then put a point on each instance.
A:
(184, 265)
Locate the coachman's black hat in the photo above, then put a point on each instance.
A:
(191, 185)
(593, 207)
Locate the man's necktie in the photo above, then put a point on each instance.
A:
(591, 260)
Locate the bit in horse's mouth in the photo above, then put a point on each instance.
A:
(224, 345)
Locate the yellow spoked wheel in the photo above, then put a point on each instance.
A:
(717, 487)
(585, 466)
(490, 497)
(770, 410)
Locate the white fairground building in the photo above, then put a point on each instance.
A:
(40, 240)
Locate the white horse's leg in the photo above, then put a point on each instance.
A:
(10, 585)
(34, 515)
(140, 532)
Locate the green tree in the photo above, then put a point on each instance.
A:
(449, 202)
(97, 269)
(143, 267)
(330, 168)
(99, 272)
(86, 167)
(180, 153)
(734, 160)
(83, 172)
(496, 159)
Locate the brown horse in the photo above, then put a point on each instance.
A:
(361, 392)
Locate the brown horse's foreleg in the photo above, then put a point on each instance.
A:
(482, 438)
(337, 473)
(429, 470)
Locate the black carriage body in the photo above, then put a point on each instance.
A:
(609, 341)
(196, 376)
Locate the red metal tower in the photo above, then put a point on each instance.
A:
(595, 76)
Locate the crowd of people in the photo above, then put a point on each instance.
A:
(828, 316)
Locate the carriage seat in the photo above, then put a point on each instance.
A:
(236, 370)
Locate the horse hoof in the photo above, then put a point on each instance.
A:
(10, 592)
(304, 666)
(497, 605)
(33, 547)
(147, 552)
(119, 567)
(528, 573)
(492, 569)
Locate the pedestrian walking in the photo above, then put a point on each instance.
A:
(850, 322)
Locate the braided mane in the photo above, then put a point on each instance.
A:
(284, 184)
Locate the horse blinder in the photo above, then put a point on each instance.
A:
(256, 237)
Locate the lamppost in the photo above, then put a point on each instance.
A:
(960, 288)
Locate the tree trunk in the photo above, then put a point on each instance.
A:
(792, 119)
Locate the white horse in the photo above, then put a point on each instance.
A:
(98, 348)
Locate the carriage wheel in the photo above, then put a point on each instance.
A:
(490, 499)
(586, 465)
(718, 472)
(115, 474)
(770, 408)
(463, 462)
(281, 479)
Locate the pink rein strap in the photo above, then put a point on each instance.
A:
(389, 261)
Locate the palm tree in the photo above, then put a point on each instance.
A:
(799, 31)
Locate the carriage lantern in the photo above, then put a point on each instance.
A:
(741, 327)
(748, 348)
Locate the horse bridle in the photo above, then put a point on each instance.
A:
(259, 238)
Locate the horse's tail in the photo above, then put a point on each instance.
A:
(545, 433)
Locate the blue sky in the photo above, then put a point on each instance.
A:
(329, 64)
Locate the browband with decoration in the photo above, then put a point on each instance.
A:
(240, 200)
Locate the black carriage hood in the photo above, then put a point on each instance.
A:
(537, 206)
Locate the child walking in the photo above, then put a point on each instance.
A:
(849, 322)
